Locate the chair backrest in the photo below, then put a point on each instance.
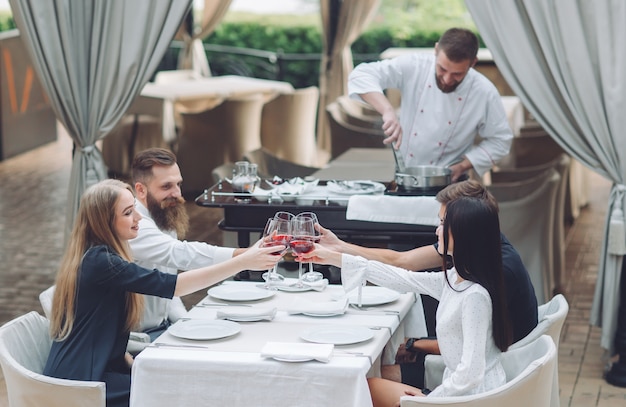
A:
(24, 347)
(345, 135)
(561, 164)
(288, 126)
(551, 319)
(529, 371)
(359, 113)
(45, 298)
(270, 165)
(213, 137)
(527, 219)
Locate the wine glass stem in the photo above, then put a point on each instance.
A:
(299, 273)
(310, 267)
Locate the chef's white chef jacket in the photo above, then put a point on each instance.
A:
(161, 250)
(439, 128)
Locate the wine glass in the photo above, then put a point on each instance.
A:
(276, 232)
(303, 230)
(311, 276)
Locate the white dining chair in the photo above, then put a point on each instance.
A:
(551, 317)
(529, 381)
(24, 347)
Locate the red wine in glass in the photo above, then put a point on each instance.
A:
(300, 246)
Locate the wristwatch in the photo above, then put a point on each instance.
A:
(408, 346)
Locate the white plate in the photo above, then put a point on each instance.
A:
(315, 314)
(236, 292)
(372, 295)
(293, 289)
(294, 359)
(201, 330)
(355, 187)
(337, 334)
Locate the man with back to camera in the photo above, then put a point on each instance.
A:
(521, 299)
(445, 104)
(157, 181)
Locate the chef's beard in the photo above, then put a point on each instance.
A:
(169, 214)
(446, 88)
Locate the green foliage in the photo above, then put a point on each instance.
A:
(6, 22)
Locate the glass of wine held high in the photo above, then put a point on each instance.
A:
(301, 242)
(311, 276)
(277, 232)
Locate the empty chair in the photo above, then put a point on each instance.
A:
(136, 342)
(213, 137)
(551, 317)
(176, 75)
(345, 135)
(561, 163)
(527, 219)
(288, 126)
(270, 165)
(529, 373)
(140, 128)
(24, 347)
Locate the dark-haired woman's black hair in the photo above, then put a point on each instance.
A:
(477, 256)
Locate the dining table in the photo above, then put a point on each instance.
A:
(198, 94)
(244, 345)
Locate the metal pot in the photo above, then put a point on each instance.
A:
(423, 177)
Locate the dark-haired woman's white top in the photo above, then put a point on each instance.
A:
(464, 324)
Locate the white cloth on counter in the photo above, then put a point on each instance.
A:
(241, 313)
(301, 306)
(293, 351)
(417, 210)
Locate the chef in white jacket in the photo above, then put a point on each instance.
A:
(445, 104)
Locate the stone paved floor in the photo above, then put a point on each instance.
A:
(33, 190)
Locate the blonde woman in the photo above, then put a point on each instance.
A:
(98, 299)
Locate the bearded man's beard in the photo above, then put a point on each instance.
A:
(446, 88)
(169, 214)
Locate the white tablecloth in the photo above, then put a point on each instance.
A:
(231, 372)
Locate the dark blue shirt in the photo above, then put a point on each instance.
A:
(98, 340)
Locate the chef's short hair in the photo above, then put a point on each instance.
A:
(145, 160)
(469, 188)
(459, 44)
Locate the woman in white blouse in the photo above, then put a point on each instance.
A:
(472, 320)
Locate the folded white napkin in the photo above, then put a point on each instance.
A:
(302, 306)
(298, 351)
(417, 210)
(317, 285)
(247, 313)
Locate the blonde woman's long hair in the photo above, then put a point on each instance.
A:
(94, 225)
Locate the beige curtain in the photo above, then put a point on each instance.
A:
(192, 55)
(353, 17)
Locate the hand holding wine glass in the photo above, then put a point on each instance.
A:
(303, 230)
(277, 232)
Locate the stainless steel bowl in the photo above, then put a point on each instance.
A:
(424, 176)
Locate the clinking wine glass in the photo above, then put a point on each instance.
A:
(276, 232)
(311, 276)
(303, 230)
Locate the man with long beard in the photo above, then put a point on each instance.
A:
(157, 181)
(445, 105)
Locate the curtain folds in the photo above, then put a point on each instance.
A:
(353, 17)
(192, 56)
(565, 60)
(93, 58)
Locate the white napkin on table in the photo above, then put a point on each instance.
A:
(239, 313)
(317, 285)
(301, 306)
(417, 210)
(298, 351)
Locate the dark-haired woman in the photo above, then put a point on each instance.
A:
(472, 322)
